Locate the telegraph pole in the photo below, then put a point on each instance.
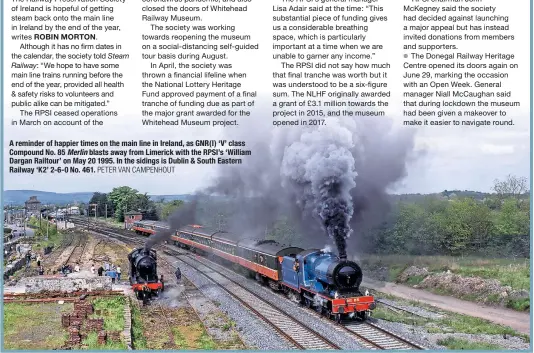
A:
(24, 221)
(106, 211)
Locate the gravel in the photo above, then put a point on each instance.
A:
(255, 333)
(413, 309)
(420, 334)
(216, 322)
(414, 334)
(318, 324)
(513, 343)
(172, 296)
(430, 340)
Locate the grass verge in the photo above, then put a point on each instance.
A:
(450, 322)
(42, 231)
(510, 272)
(514, 273)
(461, 344)
(111, 222)
(29, 326)
(138, 339)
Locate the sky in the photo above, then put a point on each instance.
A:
(466, 158)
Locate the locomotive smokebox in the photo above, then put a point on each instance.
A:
(143, 263)
(341, 273)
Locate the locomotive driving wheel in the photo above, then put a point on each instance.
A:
(307, 302)
(338, 318)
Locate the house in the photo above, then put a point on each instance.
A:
(33, 206)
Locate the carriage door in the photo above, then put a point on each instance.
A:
(256, 260)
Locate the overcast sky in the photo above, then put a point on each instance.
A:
(454, 158)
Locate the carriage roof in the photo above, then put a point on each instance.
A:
(269, 247)
(200, 230)
(157, 224)
(226, 236)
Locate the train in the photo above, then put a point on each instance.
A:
(143, 273)
(315, 278)
(148, 227)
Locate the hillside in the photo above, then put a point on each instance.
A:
(477, 195)
(18, 197)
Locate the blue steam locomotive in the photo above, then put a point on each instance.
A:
(331, 285)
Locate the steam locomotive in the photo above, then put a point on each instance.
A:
(144, 275)
(315, 278)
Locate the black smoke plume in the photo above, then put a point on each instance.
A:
(320, 168)
(183, 216)
(327, 179)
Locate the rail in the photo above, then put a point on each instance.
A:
(301, 336)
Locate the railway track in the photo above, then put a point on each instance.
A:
(167, 323)
(78, 250)
(376, 337)
(188, 293)
(156, 314)
(297, 333)
(51, 259)
(370, 335)
(411, 312)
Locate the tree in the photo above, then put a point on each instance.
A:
(284, 233)
(463, 224)
(146, 206)
(512, 186)
(511, 220)
(168, 208)
(124, 199)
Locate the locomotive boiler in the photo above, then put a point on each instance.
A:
(333, 275)
(144, 275)
(327, 283)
